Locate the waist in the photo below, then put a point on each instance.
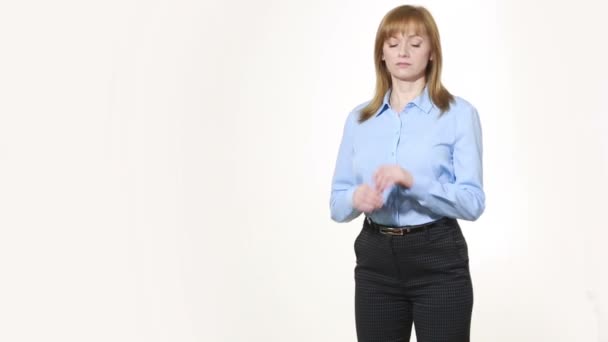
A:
(409, 229)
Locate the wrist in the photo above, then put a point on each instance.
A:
(407, 180)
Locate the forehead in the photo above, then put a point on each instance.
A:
(407, 28)
(406, 35)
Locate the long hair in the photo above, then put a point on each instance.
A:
(398, 20)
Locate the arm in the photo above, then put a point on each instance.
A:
(465, 197)
(344, 182)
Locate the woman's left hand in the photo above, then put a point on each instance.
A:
(388, 175)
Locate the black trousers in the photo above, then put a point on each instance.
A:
(421, 278)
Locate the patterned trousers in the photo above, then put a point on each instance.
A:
(421, 278)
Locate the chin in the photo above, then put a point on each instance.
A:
(408, 77)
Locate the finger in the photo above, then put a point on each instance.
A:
(360, 196)
(366, 191)
(377, 177)
(372, 203)
(389, 181)
(369, 202)
(372, 206)
(374, 200)
(373, 191)
(379, 201)
(368, 209)
(381, 171)
(383, 183)
(377, 205)
(379, 182)
(386, 182)
(363, 206)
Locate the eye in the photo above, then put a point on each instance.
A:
(392, 45)
(416, 45)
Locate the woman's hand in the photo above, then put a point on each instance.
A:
(366, 199)
(388, 175)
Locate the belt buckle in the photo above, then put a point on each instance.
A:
(395, 231)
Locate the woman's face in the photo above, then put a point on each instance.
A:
(406, 56)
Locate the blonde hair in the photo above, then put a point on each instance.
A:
(397, 20)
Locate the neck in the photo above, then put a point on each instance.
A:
(405, 91)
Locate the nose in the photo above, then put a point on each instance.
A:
(403, 50)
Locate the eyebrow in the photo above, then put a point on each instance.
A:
(408, 36)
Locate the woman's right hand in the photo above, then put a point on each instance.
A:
(366, 199)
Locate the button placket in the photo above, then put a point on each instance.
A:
(397, 138)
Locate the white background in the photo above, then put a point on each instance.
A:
(165, 167)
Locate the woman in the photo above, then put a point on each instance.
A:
(410, 160)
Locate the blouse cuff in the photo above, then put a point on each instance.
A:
(421, 187)
(350, 193)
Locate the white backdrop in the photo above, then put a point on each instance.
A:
(165, 167)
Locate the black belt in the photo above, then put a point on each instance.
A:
(392, 230)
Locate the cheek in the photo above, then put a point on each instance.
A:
(423, 56)
(422, 62)
(387, 55)
(389, 62)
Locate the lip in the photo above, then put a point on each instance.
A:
(403, 64)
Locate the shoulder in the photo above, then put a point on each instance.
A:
(461, 110)
(358, 108)
(464, 115)
(356, 112)
(353, 116)
(462, 107)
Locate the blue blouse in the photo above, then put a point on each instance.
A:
(443, 154)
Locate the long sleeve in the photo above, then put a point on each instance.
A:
(464, 198)
(344, 181)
